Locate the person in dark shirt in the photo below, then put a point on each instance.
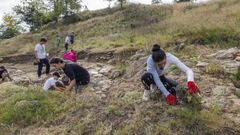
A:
(78, 75)
(4, 73)
(72, 38)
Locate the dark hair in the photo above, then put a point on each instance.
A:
(56, 74)
(56, 60)
(157, 53)
(43, 39)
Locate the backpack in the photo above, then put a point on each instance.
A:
(70, 55)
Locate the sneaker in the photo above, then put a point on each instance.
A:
(146, 95)
(153, 88)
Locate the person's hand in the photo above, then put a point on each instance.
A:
(38, 60)
(171, 100)
(192, 88)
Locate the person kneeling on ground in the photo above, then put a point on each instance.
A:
(4, 73)
(158, 63)
(53, 84)
(78, 75)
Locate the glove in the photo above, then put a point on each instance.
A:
(171, 100)
(192, 88)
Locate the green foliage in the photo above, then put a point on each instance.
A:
(178, 1)
(10, 27)
(32, 12)
(156, 1)
(214, 69)
(224, 37)
(25, 106)
(122, 2)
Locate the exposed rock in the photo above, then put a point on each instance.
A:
(116, 74)
(1, 60)
(136, 67)
(202, 64)
(229, 54)
(231, 66)
(138, 55)
(237, 58)
(106, 69)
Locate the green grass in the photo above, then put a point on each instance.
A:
(27, 106)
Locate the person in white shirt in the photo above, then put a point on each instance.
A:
(41, 57)
(158, 64)
(53, 84)
(67, 41)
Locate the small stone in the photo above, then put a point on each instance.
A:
(202, 64)
(1, 60)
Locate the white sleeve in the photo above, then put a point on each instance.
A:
(36, 48)
(53, 82)
(152, 69)
(182, 67)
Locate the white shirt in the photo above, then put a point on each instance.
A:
(170, 60)
(41, 53)
(67, 39)
(49, 83)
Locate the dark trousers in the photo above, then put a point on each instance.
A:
(147, 80)
(40, 66)
(66, 46)
(81, 84)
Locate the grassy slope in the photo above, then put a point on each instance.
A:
(212, 23)
(124, 113)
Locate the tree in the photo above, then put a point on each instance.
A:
(32, 12)
(109, 3)
(178, 1)
(10, 27)
(122, 2)
(156, 1)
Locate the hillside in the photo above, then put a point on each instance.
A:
(113, 45)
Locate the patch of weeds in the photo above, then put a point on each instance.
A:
(236, 81)
(114, 110)
(136, 126)
(100, 129)
(132, 97)
(214, 69)
(160, 129)
(175, 69)
(121, 66)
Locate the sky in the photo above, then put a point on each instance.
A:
(7, 5)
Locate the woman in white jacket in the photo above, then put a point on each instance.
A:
(158, 64)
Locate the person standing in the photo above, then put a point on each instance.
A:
(72, 38)
(41, 57)
(67, 40)
(58, 40)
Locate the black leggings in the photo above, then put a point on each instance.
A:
(147, 80)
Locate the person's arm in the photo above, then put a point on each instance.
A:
(182, 67)
(36, 54)
(61, 89)
(71, 85)
(72, 78)
(190, 75)
(151, 67)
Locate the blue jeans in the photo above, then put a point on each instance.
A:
(40, 66)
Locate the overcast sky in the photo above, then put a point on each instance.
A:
(6, 5)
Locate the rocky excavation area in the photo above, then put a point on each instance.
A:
(214, 73)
